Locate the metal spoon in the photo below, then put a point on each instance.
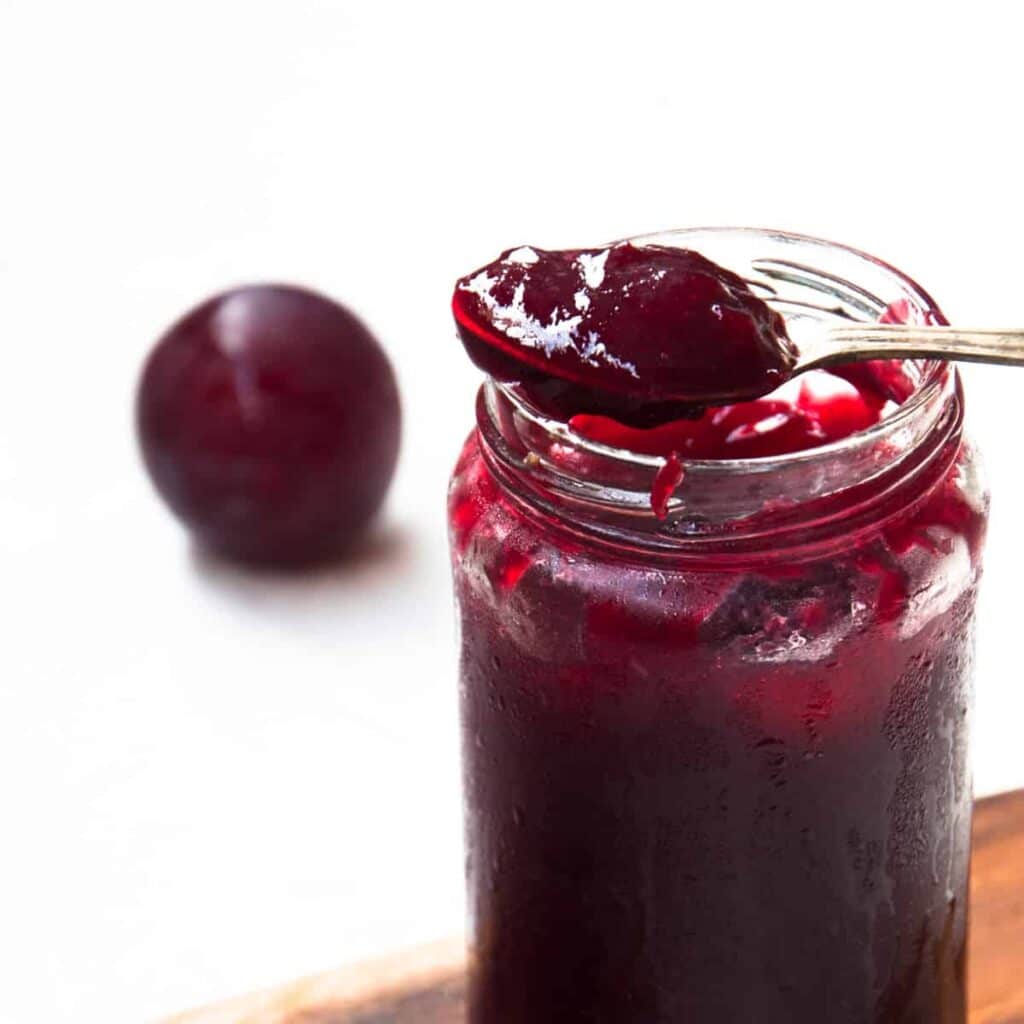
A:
(840, 336)
(820, 345)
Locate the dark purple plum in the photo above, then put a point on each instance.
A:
(269, 421)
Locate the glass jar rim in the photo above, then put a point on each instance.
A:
(547, 454)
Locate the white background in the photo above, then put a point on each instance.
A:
(211, 781)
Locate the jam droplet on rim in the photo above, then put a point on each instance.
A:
(667, 479)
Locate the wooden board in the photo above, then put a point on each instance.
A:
(426, 986)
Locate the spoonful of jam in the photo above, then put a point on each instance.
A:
(643, 334)
(647, 334)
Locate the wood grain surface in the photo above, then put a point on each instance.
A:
(426, 986)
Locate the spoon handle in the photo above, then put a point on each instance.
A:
(844, 344)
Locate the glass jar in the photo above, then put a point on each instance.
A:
(716, 763)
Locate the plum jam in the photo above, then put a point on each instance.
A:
(638, 331)
(716, 759)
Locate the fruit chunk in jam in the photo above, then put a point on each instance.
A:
(639, 333)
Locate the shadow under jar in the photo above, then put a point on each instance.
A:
(716, 764)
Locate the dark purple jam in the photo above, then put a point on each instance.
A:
(634, 332)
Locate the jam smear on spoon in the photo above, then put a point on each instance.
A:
(643, 334)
